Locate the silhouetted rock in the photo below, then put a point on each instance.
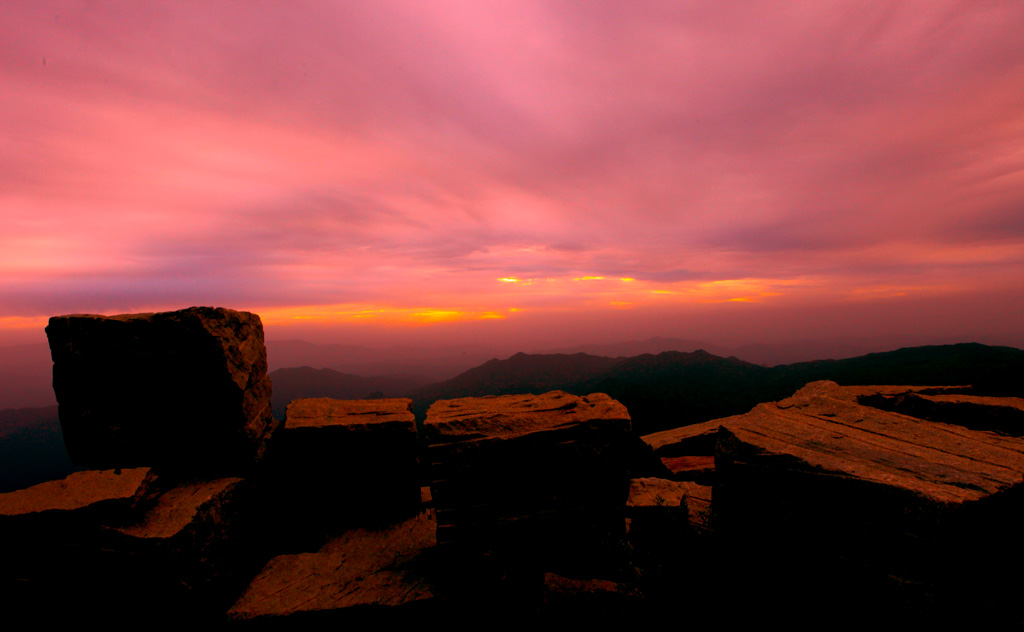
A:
(529, 475)
(380, 568)
(185, 390)
(859, 503)
(343, 463)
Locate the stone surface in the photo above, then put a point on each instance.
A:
(860, 504)
(177, 512)
(344, 463)
(587, 599)
(1001, 414)
(529, 474)
(360, 568)
(693, 440)
(90, 491)
(671, 505)
(512, 416)
(691, 468)
(354, 415)
(185, 390)
(189, 535)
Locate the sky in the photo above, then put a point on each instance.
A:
(537, 171)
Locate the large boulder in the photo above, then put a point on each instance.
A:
(822, 499)
(183, 390)
(343, 463)
(529, 475)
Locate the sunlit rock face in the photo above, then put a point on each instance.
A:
(183, 390)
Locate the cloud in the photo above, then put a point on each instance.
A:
(410, 153)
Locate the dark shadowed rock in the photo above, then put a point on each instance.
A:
(529, 474)
(181, 390)
(856, 505)
(363, 568)
(343, 463)
(1001, 414)
(187, 535)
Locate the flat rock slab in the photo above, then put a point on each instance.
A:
(834, 491)
(693, 440)
(823, 429)
(528, 471)
(353, 414)
(511, 416)
(85, 492)
(361, 568)
(690, 468)
(187, 390)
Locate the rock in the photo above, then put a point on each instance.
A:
(361, 568)
(587, 599)
(1001, 414)
(184, 390)
(691, 468)
(51, 544)
(91, 493)
(693, 440)
(529, 475)
(344, 463)
(188, 534)
(665, 518)
(861, 504)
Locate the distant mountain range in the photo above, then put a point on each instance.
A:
(673, 388)
(663, 390)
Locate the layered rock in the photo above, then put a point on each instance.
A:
(851, 497)
(185, 390)
(362, 568)
(342, 463)
(528, 474)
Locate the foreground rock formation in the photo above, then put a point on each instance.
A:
(879, 504)
(535, 474)
(186, 389)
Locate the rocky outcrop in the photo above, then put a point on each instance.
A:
(92, 493)
(183, 390)
(840, 490)
(536, 475)
(343, 463)
(857, 500)
(363, 568)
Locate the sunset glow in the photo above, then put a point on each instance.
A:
(643, 168)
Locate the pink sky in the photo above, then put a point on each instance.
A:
(544, 171)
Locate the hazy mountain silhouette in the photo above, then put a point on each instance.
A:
(31, 448)
(655, 345)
